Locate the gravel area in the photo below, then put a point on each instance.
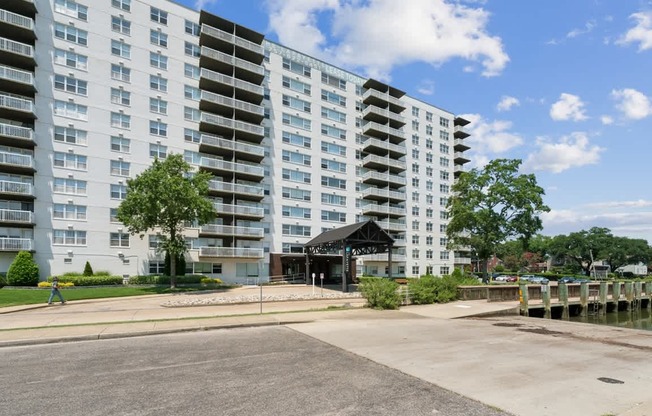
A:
(220, 300)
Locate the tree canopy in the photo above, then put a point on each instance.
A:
(492, 205)
(166, 196)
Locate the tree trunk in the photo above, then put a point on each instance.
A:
(485, 272)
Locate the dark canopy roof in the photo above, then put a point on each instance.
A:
(364, 238)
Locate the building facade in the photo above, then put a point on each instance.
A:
(92, 91)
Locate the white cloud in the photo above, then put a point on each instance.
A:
(641, 33)
(201, 4)
(641, 203)
(426, 87)
(606, 120)
(489, 138)
(570, 151)
(633, 104)
(569, 107)
(588, 27)
(506, 103)
(377, 35)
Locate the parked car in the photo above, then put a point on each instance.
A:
(512, 278)
(566, 279)
(501, 278)
(539, 280)
(526, 278)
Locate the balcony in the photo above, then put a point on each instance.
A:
(16, 135)
(378, 178)
(380, 99)
(26, 7)
(229, 86)
(392, 225)
(384, 163)
(460, 146)
(16, 217)
(226, 127)
(16, 81)
(244, 48)
(460, 133)
(384, 209)
(462, 260)
(16, 53)
(460, 159)
(377, 146)
(240, 170)
(231, 252)
(249, 192)
(16, 244)
(17, 26)
(220, 104)
(239, 210)
(231, 231)
(457, 171)
(383, 257)
(16, 163)
(16, 108)
(383, 195)
(216, 145)
(383, 130)
(227, 64)
(16, 189)
(382, 115)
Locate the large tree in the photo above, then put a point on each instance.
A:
(165, 197)
(583, 247)
(491, 205)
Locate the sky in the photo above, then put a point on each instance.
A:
(565, 86)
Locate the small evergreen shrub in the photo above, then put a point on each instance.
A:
(23, 271)
(88, 270)
(380, 293)
(423, 290)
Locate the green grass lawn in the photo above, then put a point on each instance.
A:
(16, 297)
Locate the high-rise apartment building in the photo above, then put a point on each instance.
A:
(92, 91)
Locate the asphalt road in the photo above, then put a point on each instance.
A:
(246, 371)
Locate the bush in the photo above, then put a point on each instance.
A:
(180, 266)
(423, 291)
(23, 271)
(165, 280)
(88, 270)
(79, 280)
(380, 293)
(210, 281)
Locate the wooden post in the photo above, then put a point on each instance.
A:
(629, 295)
(584, 299)
(563, 298)
(648, 293)
(545, 296)
(602, 308)
(523, 299)
(638, 289)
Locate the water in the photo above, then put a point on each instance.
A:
(635, 319)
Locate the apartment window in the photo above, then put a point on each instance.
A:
(120, 73)
(191, 71)
(429, 171)
(443, 122)
(296, 67)
(415, 225)
(120, 120)
(443, 148)
(120, 25)
(296, 212)
(118, 191)
(69, 186)
(415, 139)
(415, 239)
(191, 135)
(296, 85)
(428, 116)
(333, 81)
(443, 135)
(429, 239)
(156, 267)
(296, 139)
(120, 48)
(295, 193)
(429, 199)
(70, 135)
(191, 114)
(444, 270)
(333, 182)
(444, 189)
(158, 83)
(415, 154)
(69, 237)
(429, 227)
(429, 130)
(158, 15)
(122, 4)
(443, 255)
(70, 59)
(415, 168)
(333, 131)
(113, 215)
(120, 144)
(120, 168)
(70, 110)
(157, 105)
(443, 241)
(443, 202)
(296, 230)
(296, 103)
(429, 185)
(158, 60)
(292, 248)
(333, 165)
(443, 228)
(119, 240)
(158, 151)
(415, 253)
(415, 211)
(444, 175)
(429, 212)
(415, 112)
(120, 96)
(333, 216)
(70, 8)
(296, 121)
(428, 143)
(428, 157)
(333, 115)
(192, 49)
(69, 211)
(443, 162)
(415, 125)
(429, 254)
(333, 98)
(332, 199)
(158, 128)
(415, 197)
(70, 161)
(332, 148)
(415, 182)
(191, 93)
(295, 157)
(71, 34)
(192, 28)
(156, 37)
(296, 176)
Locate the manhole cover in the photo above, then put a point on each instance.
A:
(610, 380)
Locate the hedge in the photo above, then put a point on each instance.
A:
(165, 280)
(79, 280)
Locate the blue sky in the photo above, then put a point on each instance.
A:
(566, 86)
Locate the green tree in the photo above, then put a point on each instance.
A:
(23, 271)
(583, 247)
(492, 205)
(88, 270)
(166, 196)
(623, 251)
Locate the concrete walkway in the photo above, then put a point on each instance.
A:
(525, 366)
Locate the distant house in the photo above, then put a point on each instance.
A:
(639, 269)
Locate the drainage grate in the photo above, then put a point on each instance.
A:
(610, 380)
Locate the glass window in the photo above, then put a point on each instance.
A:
(158, 151)
(158, 15)
(120, 48)
(156, 37)
(120, 73)
(120, 168)
(158, 128)
(122, 4)
(192, 28)
(71, 34)
(120, 144)
(120, 120)
(70, 59)
(120, 25)
(158, 83)
(70, 135)
(71, 8)
(157, 105)
(70, 84)
(118, 191)
(120, 96)
(158, 60)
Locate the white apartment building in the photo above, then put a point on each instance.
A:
(91, 91)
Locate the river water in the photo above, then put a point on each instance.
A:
(635, 319)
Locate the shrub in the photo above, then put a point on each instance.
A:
(423, 291)
(380, 293)
(79, 280)
(3, 281)
(180, 266)
(446, 290)
(88, 270)
(165, 280)
(102, 273)
(210, 281)
(23, 271)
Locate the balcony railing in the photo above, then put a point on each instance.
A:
(232, 124)
(462, 260)
(231, 167)
(392, 225)
(14, 103)
(241, 252)
(239, 210)
(215, 185)
(16, 216)
(372, 125)
(383, 112)
(383, 257)
(232, 230)
(383, 144)
(228, 37)
(16, 188)
(16, 159)
(222, 143)
(385, 209)
(232, 60)
(382, 96)
(16, 75)
(384, 177)
(9, 45)
(16, 244)
(232, 103)
(16, 20)
(233, 82)
(384, 193)
(399, 164)
(17, 132)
